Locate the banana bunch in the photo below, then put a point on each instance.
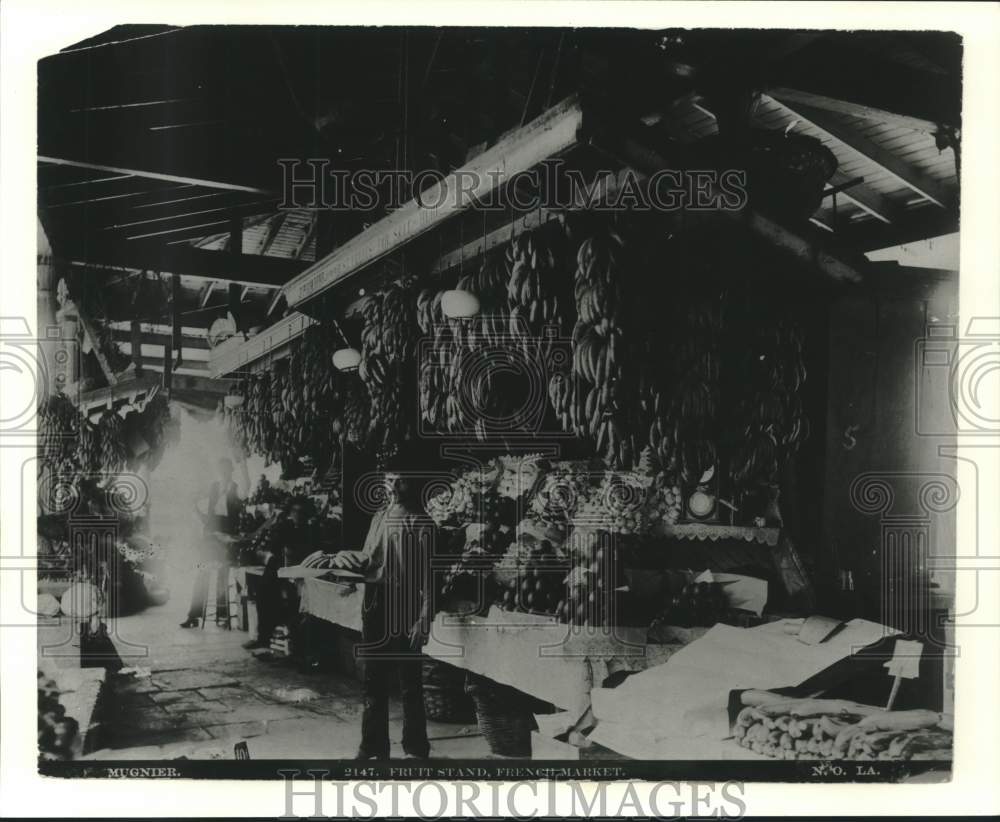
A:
(59, 423)
(357, 408)
(682, 395)
(113, 450)
(388, 364)
(768, 411)
(88, 448)
(596, 398)
(539, 288)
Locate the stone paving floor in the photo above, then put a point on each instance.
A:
(204, 693)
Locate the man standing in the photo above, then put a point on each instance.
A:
(395, 617)
(219, 520)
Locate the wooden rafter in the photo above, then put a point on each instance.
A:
(188, 261)
(153, 175)
(794, 97)
(882, 157)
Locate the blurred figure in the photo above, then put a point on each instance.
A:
(219, 521)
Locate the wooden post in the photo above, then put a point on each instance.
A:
(176, 343)
(236, 249)
(137, 346)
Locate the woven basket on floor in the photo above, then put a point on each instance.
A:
(504, 718)
(445, 699)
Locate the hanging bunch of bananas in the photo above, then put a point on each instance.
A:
(388, 365)
(768, 411)
(595, 398)
(113, 449)
(251, 425)
(539, 285)
(88, 448)
(357, 410)
(437, 351)
(683, 390)
(58, 427)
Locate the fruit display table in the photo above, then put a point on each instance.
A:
(539, 656)
(335, 602)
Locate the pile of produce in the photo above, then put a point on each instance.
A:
(388, 366)
(534, 582)
(560, 493)
(56, 731)
(838, 729)
(519, 475)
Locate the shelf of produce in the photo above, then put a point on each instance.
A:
(539, 656)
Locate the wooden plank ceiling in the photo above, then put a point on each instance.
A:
(158, 147)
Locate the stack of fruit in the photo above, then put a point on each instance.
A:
(664, 501)
(453, 506)
(113, 449)
(537, 585)
(839, 729)
(559, 494)
(519, 475)
(618, 505)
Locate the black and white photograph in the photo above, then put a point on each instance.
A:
(515, 402)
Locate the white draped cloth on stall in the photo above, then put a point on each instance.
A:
(666, 708)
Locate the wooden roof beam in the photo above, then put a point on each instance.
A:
(794, 97)
(188, 261)
(902, 171)
(154, 175)
(555, 131)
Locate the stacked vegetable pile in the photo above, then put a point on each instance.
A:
(838, 729)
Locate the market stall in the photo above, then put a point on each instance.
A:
(638, 435)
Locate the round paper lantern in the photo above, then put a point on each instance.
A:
(346, 359)
(80, 600)
(458, 304)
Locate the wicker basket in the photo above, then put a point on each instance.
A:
(445, 699)
(504, 718)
